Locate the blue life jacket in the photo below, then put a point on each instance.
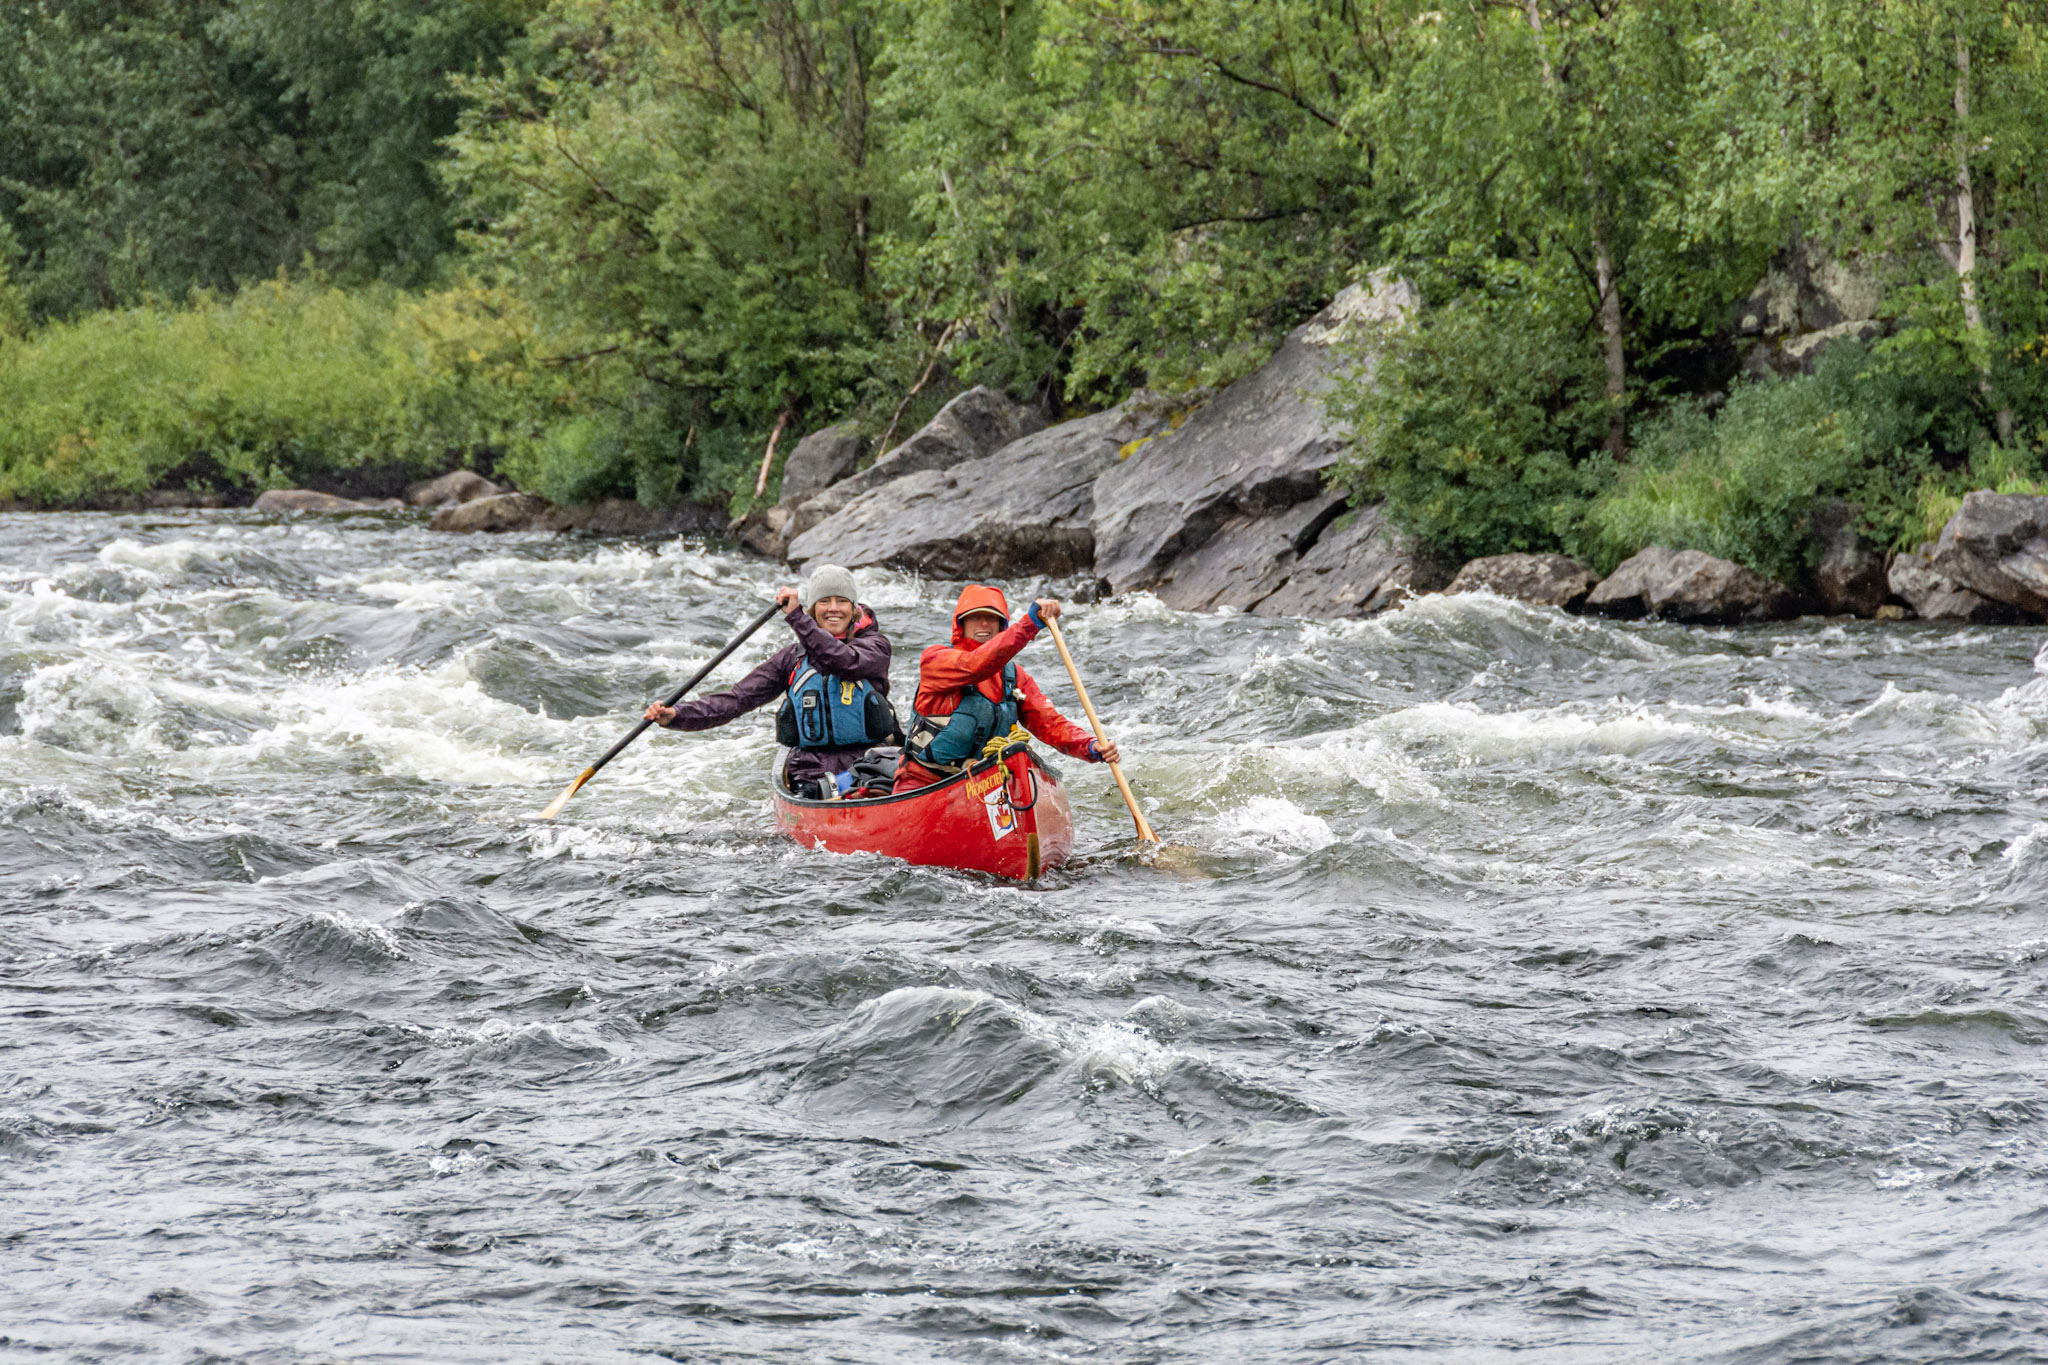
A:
(946, 742)
(824, 712)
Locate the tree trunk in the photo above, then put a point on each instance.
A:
(1977, 336)
(1603, 269)
(1610, 327)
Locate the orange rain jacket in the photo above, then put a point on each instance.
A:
(945, 671)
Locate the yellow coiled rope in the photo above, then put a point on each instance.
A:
(995, 747)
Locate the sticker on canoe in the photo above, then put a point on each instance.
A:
(1002, 820)
(987, 782)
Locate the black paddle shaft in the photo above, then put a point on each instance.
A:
(697, 677)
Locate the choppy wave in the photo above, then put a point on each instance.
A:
(1532, 985)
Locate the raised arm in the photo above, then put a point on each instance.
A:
(758, 688)
(1044, 720)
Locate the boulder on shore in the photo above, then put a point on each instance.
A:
(611, 517)
(1690, 586)
(978, 422)
(281, 500)
(1024, 509)
(1257, 449)
(820, 460)
(1542, 580)
(505, 512)
(1850, 579)
(454, 487)
(1934, 596)
(1996, 545)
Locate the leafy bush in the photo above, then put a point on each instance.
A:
(282, 383)
(1738, 483)
(615, 450)
(1479, 422)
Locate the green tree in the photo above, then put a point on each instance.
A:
(1930, 148)
(694, 190)
(1108, 195)
(157, 147)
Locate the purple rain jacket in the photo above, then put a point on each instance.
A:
(862, 656)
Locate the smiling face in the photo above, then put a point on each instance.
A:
(981, 626)
(835, 614)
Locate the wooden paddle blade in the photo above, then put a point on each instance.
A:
(555, 806)
(1182, 860)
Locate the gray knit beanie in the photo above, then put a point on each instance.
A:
(829, 580)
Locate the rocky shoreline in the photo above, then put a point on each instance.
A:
(1219, 501)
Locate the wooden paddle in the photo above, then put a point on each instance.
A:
(555, 806)
(1145, 834)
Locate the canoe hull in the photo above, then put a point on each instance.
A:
(1007, 817)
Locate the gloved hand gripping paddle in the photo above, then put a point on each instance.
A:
(555, 806)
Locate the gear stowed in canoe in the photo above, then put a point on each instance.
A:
(963, 789)
(1005, 814)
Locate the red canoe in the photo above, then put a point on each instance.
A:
(1007, 816)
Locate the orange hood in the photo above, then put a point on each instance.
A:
(977, 597)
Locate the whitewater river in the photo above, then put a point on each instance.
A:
(1546, 988)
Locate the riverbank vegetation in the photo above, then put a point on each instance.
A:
(1686, 266)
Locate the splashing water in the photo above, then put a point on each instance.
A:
(1558, 989)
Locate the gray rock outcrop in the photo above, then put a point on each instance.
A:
(282, 500)
(1025, 509)
(1996, 545)
(1850, 578)
(1934, 596)
(1248, 558)
(820, 460)
(1543, 580)
(977, 423)
(1257, 450)
(1359, 565)
(1691, 586)
(1806, 303)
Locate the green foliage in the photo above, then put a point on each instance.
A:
(1479, 421)
(1738, 484)
(282, 384)
(1109, 195)
(695, 196)
(728, 212)
(152, 148)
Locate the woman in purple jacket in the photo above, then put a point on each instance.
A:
(833, 679)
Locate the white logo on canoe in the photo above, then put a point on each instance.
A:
(1002, 820)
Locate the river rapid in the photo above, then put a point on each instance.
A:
(1542, 987)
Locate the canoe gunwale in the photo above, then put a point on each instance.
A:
(967, 774)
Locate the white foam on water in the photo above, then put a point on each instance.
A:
(496, 1033)
(43, 612)
(95, 705)
(1473, 735)
(1128, 928)
(1943, 715)
(459, 1163)
(2028, 846)
(366, 932)
(557, 841)
(1268, 824)
(434, 724)
(167, 560)
(1121, 1051)
(418, 595)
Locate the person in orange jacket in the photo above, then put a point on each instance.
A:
(970, 692)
